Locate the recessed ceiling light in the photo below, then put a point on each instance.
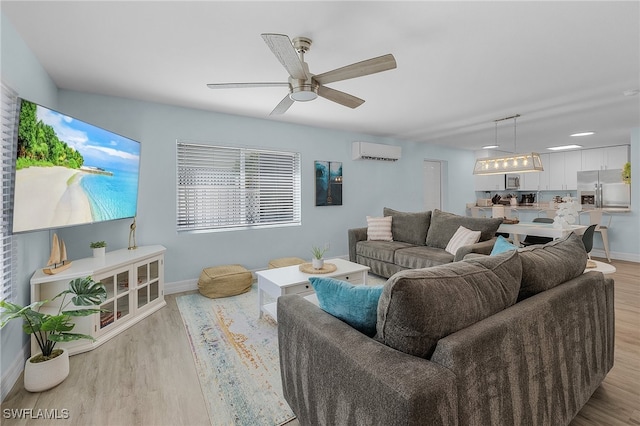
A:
(490, 146)
(583, 134)
(560, 148)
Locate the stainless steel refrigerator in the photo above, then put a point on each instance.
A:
(603, 188)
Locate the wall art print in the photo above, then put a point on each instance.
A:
(328, 183)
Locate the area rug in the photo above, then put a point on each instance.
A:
(236, 358)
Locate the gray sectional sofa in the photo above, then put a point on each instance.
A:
(520, 338)
(419, 241)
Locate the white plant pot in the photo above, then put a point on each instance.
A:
(317, 263)
(99, 252)
(41, 376)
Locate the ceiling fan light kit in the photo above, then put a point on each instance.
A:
(304, 86)
(509, 163)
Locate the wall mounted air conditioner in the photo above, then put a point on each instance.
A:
(375, 151)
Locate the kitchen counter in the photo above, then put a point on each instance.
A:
(545, 206)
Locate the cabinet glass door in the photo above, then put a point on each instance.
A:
(117, 305)
(147, 282)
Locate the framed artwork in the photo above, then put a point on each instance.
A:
(328, 183)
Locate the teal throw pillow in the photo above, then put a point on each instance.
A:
(501, 245)
(357, 305)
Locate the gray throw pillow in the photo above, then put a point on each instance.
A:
(444, 225)
(544, 267)
(418, 307)
(409, 227)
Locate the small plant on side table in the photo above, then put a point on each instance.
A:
(99, 248)
(318, 253)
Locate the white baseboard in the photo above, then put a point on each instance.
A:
(630, 257)
(180, 286)
(14, 371)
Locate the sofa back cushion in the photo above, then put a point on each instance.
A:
(444, 225)
(419, 307)
(546, 266)
(409, 227)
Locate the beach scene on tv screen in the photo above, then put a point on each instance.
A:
(69, 172)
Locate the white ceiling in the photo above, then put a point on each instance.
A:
(563, 66)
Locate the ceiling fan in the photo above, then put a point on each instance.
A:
(304, 86)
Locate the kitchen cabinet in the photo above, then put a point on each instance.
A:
(489, 182)
(563, 170)
(536, 181)
(611, 157)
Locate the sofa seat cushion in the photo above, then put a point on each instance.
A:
(421, 257)
(546, 266)
(409, 227)
(419, 307)
(379, 250)
(444, 225)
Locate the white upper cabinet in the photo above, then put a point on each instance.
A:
(563, 170)
(613, 157)
(536, 181)
(489, 182)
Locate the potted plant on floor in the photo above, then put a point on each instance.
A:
(318, 257)
(99, 248)
(51, 366)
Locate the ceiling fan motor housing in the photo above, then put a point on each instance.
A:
(303, 90)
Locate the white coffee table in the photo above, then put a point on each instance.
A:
(290, 280)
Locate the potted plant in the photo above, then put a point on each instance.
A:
(626, 173)
(99, 248)
(50, 367)
(318, 260)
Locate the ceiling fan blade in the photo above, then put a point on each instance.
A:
(283, 106)
(359, 69)
(339, 97)
(282, 47)
(244, 85)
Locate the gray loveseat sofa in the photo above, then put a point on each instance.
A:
(520, 338)
(419, 241)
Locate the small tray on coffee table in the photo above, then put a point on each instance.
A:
(308, 268)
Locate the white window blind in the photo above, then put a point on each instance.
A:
(234, 188)
(9, 127)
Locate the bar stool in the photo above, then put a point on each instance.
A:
(595, 218)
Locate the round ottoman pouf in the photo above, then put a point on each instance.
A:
(285, 261)
(224, 281)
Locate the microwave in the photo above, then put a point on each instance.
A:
(511, 181)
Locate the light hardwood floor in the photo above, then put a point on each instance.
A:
(146, 375)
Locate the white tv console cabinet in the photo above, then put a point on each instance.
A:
(134, 280)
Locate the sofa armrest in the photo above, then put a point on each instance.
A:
(335, 375)
(355, 235)
(483, 247)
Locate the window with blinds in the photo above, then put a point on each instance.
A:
(221, 188)
(9, 127)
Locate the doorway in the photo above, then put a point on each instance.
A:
(432, 184)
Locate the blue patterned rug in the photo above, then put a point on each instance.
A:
(236, 357)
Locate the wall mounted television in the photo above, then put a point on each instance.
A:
(69, 172)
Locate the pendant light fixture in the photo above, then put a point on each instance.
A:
(509, 163)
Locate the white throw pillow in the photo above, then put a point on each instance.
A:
(379, 228)
(462, 237)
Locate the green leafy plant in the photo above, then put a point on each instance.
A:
(626, 173)
(49, 329)
(318, 252)
(97, 244)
